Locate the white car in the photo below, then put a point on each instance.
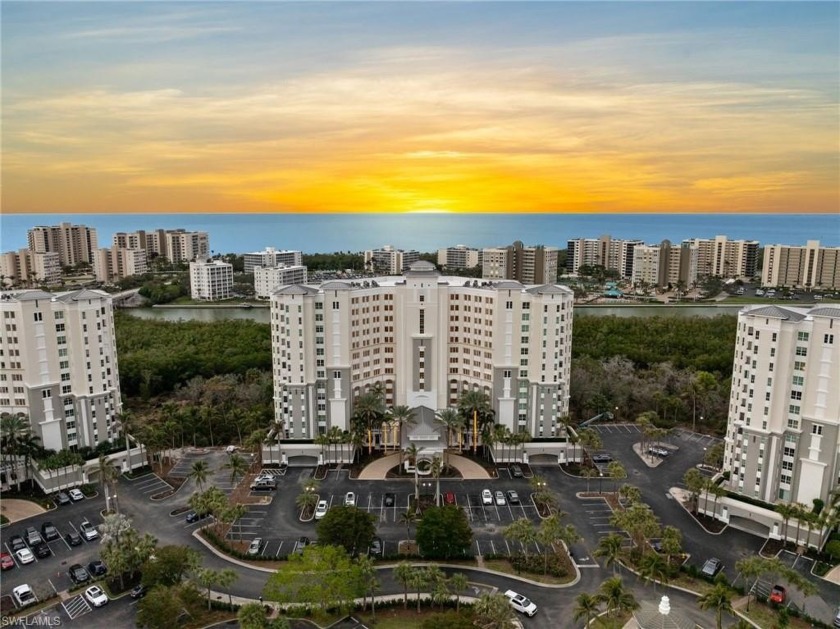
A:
(95, 596)
(24, 595)
(88, 530)
(76, 495)
(25, 556)
(321, 509)
(256, 544)
(521, 604)
(486, 497)
(500, 499)
(350, 499)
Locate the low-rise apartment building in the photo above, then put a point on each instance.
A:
(211, 280)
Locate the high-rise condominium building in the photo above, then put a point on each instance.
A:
(459, 257)
(725, 258)
(176, 245)
(27, 268)
(389, 260)
(783, 433)
(529, 265)
(211, 280)
(59, 365)
(269, 279)
(116, 263)
(810, 266)
(425, 338)
(271, 257)
(605, 251)
(72, 243)
(664, 264)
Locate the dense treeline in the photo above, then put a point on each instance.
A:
(337, 261)
(700, 343)
(157, 356)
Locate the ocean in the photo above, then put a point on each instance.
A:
(327, 233)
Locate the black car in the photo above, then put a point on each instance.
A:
(78, 574)
(62, 499)
(389, 500)
(49, 532)
(73, 539)
(16, 543)
(601, 458)
(139, 591)
(516, 471)
(192, 516)
(41, 550)
(97, 568)
(376, 547)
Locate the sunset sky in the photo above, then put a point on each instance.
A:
(420, 107)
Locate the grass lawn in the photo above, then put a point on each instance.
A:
(503, 565)
(764, 616)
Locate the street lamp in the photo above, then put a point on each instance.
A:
(600, 481)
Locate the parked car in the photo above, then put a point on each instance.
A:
(601, 458)
(321, 509)
(837, 618)
(78, 574)
(76, 495)
(138, 591)
(96, 596)
(389, 500)
(349, 499)
(6, 561)
(659, 451)
(513, 497)
(49, 532)
(42, 551)
(230, 449)
(712, 567)
(486, 497)
(73, 538)
(263, 484)
(778, 594)
(521, 604)
(302, 543)
(97, 568)
(16, 543)
(449, 498)
(33, 537)
(24, 595)
(88, 530)
(192, 516)
(516, 471)
(25, 556)
(375, 547)
(62, 499)
(500, 498)
(255, 546)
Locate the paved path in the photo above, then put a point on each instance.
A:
(379, 469)
(17, 510)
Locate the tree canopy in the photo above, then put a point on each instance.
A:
(349, 527)
(443, 533)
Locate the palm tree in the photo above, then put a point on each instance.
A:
(458, 582)
(323, 440)
(521, 530)
(589, 439)
(653, 567)
(402, 574)
(125, 421)
(589, 473)
(108, 475)
(306, 501)
(493, 611)
(451, 421)
(418, 580)
(609, 547)
(787, 511)
(474, 407)
(368, 411)
(616, 598)
(408, 518)
(437, 468)
(17, 440)
(227, 577)
(402, 416)
(237, 465)
(719, 599)
(199, 472)
(587, 606)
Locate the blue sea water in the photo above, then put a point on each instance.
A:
(323, 233)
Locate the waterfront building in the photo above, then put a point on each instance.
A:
(271, 257)
(721, 257)
(425, 339)
(176, 245)
(116, 263)
(59, 365)
(28, 268)
(783, 431)
(809, 267)
(389, 261)
(269, 279)
(526, 264)
(211, 280)
(459, 257)
(664, 265)
(74, 244)
(612, 254)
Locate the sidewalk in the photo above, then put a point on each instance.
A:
(379, 469)
(17, 510)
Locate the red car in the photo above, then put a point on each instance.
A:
(778, 594)
(6, 561)
(449, 498)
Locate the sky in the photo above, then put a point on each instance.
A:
(198, 107)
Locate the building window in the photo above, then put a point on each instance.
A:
(39, 316)
(828, 339)
(802, 336)
(816, 429)
(801, 351)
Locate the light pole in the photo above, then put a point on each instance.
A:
(600, 481)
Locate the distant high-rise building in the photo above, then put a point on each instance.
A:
(612, 254)
(663, 264)
(211, 280)
(811, 266)
(271, 257)
(725, 258)
(73, 243)
(459, 257)
(176, 245)
(60, 365)
(529, 265)
(390, 261)
(783, 432)
(269, 279)
(27, 268)
(116, 263)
